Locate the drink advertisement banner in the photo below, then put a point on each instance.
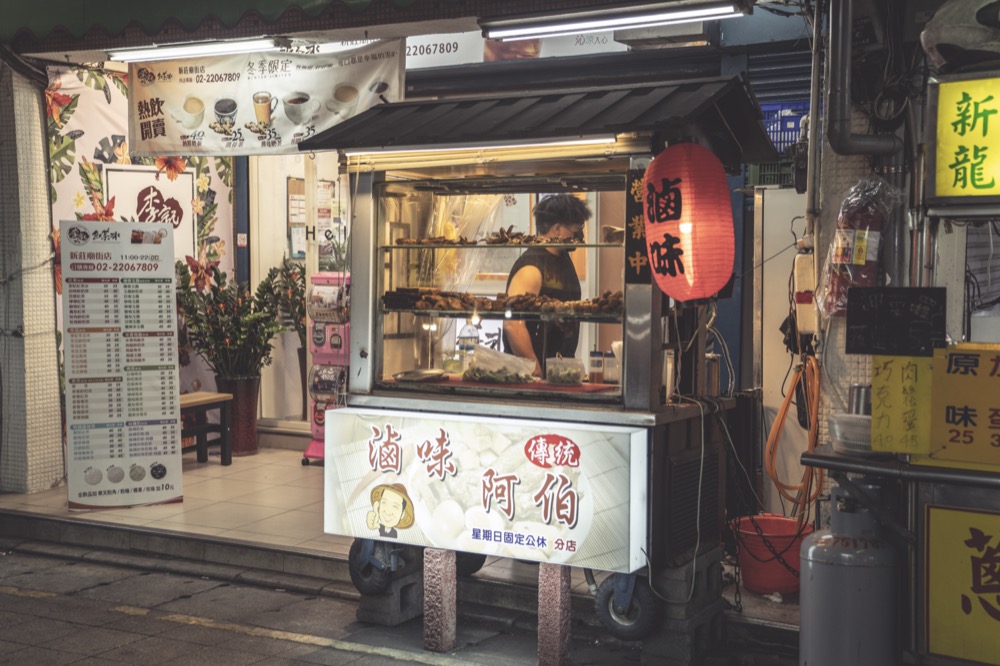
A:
(122, 393)
(553, 492)
(255, 104)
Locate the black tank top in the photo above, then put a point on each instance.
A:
(559, 281)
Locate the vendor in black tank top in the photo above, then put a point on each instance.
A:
(548, 271)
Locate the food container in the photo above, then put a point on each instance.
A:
(851, 433)
(612, 373)
(596, 367)
(487, 365)
(564, 371)
(453, 362)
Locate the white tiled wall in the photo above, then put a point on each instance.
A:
(31, 452)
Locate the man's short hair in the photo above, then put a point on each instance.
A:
(560, 209)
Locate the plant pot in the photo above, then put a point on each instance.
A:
(243, 415)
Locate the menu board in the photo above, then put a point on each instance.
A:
(901, 404)
(965, 422)
(257, 103)
(895, 321)
(120, 343)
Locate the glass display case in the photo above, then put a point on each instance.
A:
(443, 256)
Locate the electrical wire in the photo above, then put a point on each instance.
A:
(804, 493)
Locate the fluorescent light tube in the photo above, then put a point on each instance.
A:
(438, 148)
(513, 29)
(176, 51)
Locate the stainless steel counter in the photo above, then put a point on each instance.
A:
(552, 411)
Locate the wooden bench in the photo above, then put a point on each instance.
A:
(199, 403)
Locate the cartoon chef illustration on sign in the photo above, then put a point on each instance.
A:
(391, 509)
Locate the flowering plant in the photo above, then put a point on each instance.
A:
(227, 325)
(287, 293)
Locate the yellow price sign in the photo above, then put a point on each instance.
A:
(963, 584)
(965, 419)
(968, 139)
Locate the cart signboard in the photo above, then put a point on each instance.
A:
(965, 415)
(554, 492)
(966, 136)
(962, 578)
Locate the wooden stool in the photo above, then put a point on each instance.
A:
(199, 403)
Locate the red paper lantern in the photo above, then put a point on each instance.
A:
(689, 222)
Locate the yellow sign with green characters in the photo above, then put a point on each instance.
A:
(968, 139)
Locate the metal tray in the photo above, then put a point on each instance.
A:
(425, 375)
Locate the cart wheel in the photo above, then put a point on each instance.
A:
(368, 578)
(305, 462)
(467, 564)
(635, 623)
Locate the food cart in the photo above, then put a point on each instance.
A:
(465, 451)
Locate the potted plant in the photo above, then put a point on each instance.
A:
(231, 329)
(287, 294)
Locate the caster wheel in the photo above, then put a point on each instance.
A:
(367, 578)
(467, 564)
(630, 624)
(305, 462)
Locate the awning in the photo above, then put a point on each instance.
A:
(722, 112)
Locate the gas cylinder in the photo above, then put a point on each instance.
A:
(848, 604)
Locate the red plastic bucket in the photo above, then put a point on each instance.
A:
(762, 570)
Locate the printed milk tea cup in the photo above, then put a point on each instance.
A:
(191, 112)
(344, 100)
(263, 106)
(299, 107)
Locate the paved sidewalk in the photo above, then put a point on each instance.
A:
(69, 610)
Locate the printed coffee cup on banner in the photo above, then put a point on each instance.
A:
(344, 100)
(263, 106)
(225, 110)
(299, 107)
(191, 113)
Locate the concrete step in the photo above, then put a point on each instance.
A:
(249, 563)
(504, 603)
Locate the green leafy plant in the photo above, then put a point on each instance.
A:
(287, 293)
(230, 328)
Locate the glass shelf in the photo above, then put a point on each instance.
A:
(605, 318)
(496, 246)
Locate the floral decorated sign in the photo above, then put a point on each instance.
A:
(94, 176)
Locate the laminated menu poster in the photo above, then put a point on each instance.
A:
(566, 493)
(257, 103)
(120, 356)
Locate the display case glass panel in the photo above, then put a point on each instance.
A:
(444, 315)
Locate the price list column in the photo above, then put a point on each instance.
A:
(123, 399)
(93, 368)
(148, 306)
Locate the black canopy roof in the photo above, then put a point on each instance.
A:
(721, 111)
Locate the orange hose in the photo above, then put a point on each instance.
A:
(804, 493)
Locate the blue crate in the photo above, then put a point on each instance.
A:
(783, 121)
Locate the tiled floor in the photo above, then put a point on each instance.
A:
(269, 497)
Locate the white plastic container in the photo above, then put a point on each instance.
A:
(851, 433)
